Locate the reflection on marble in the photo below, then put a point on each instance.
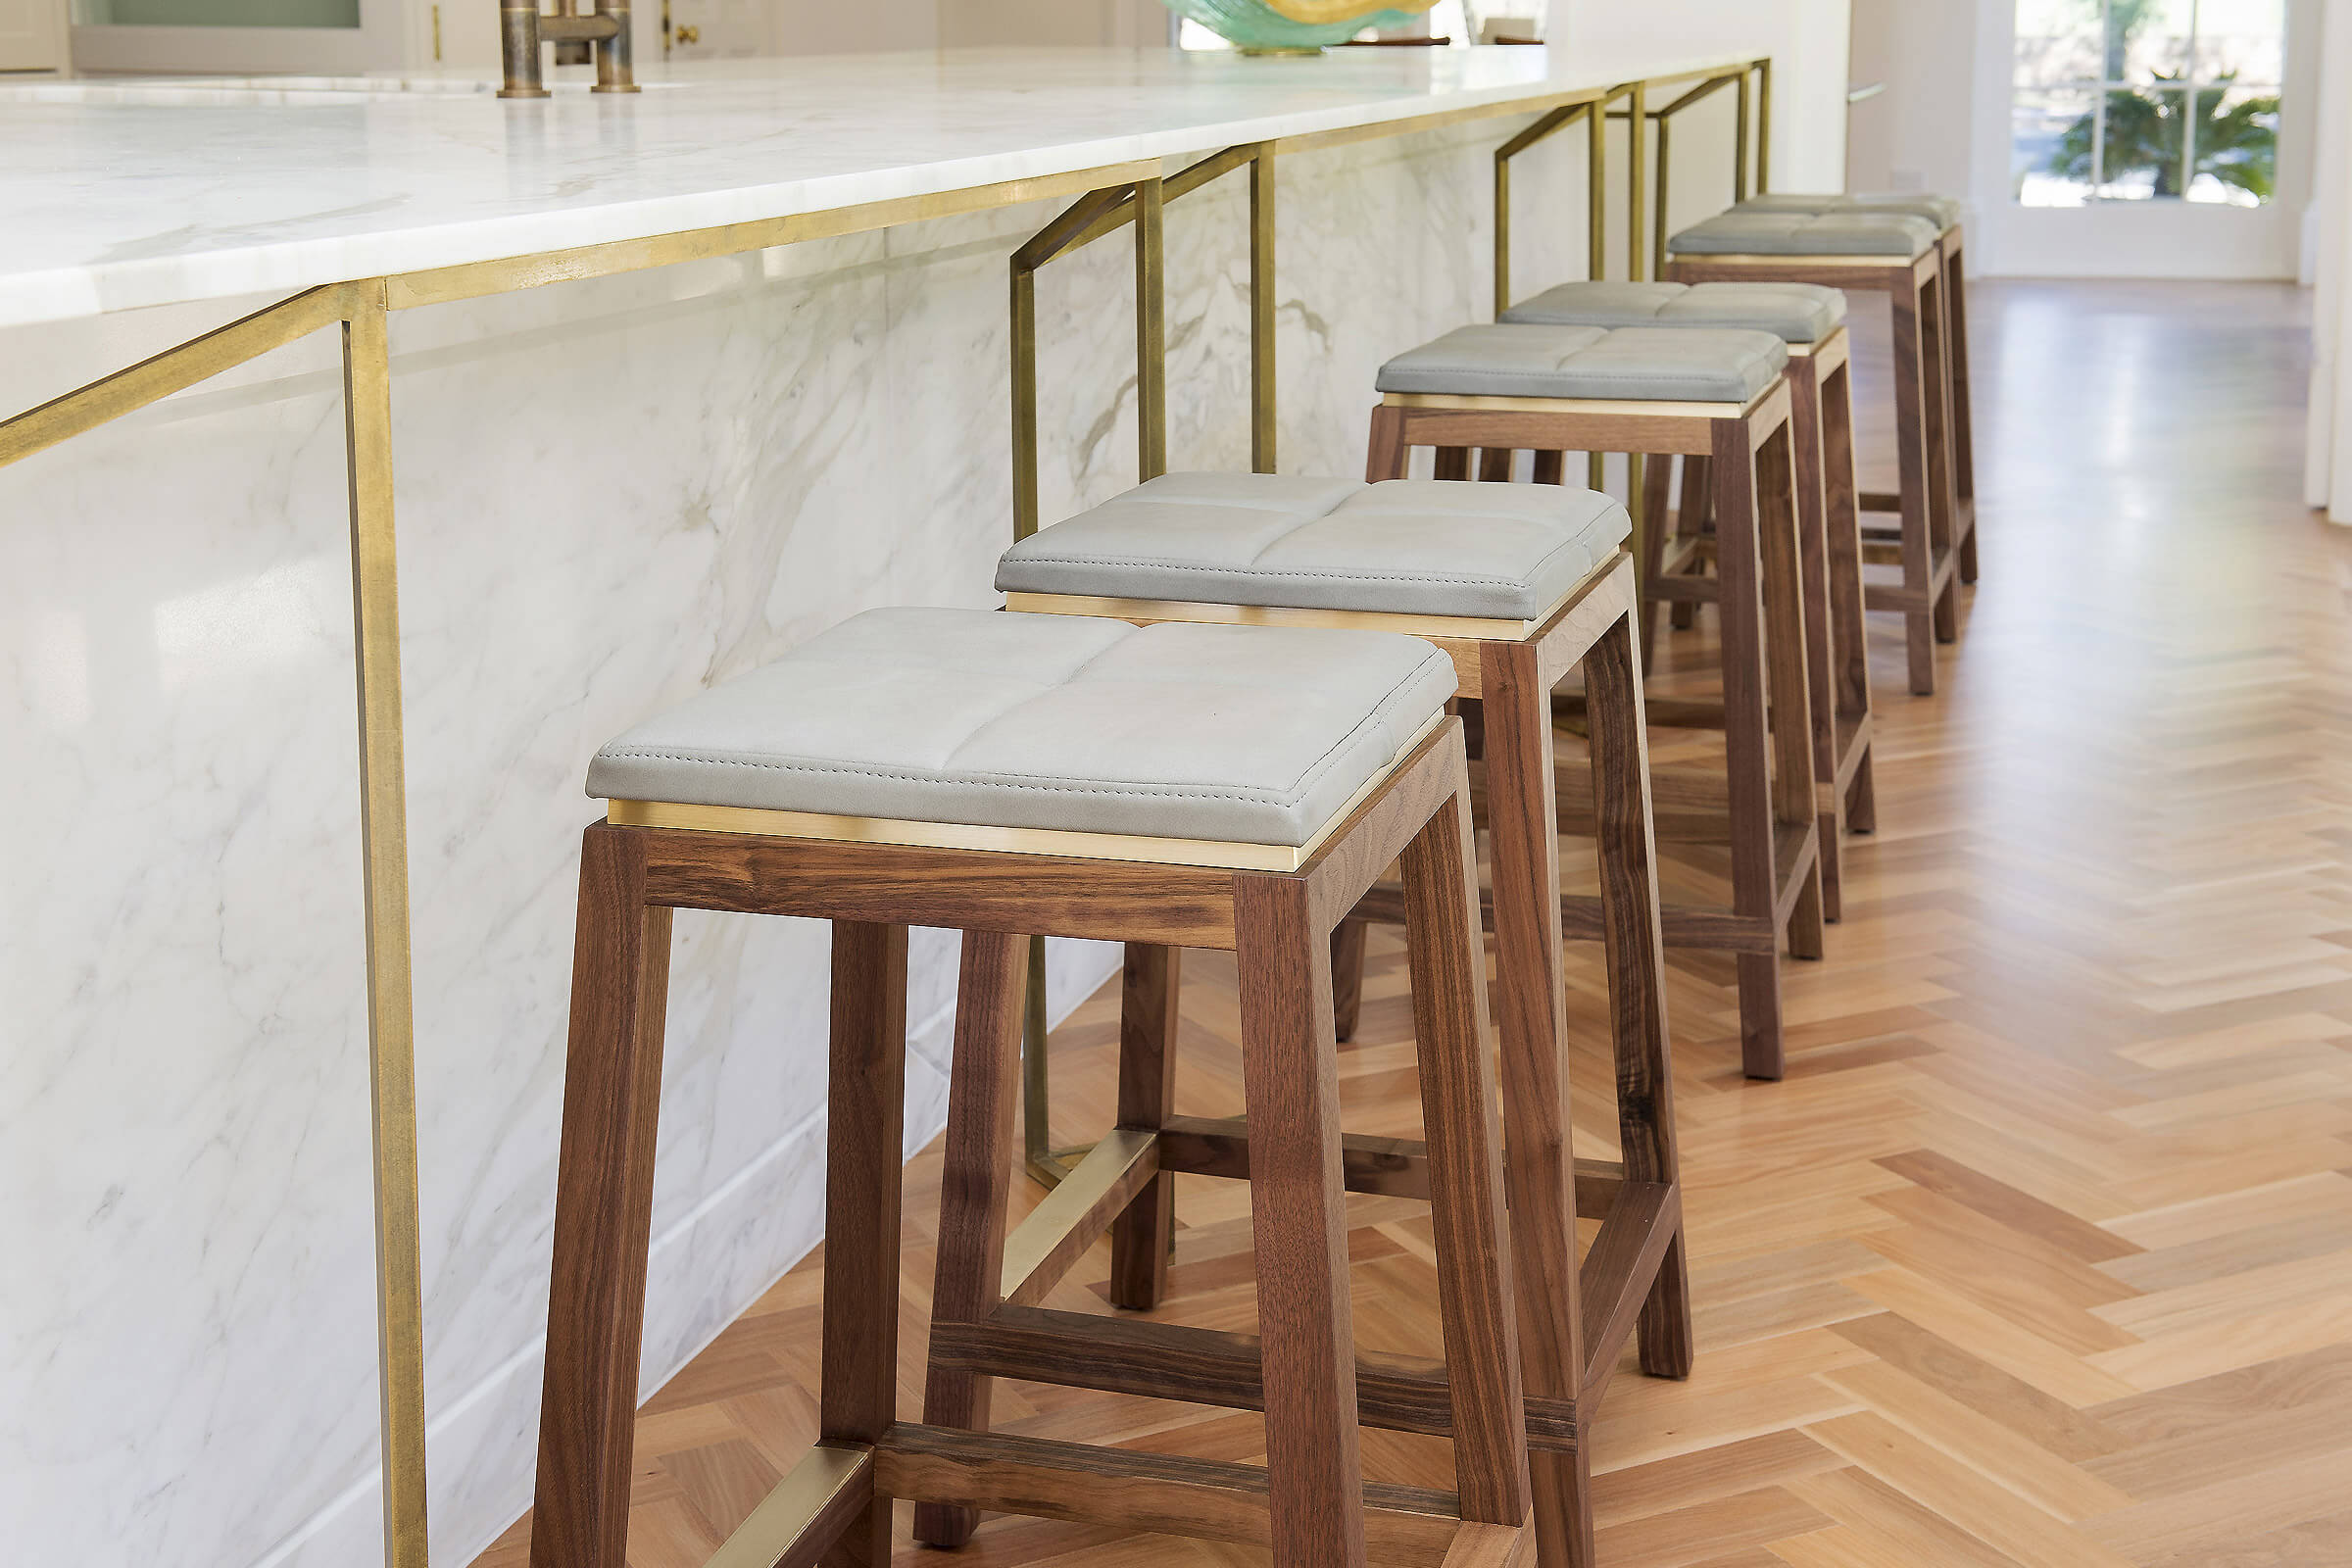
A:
(611, 494)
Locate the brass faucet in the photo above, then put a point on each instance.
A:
(521, 30)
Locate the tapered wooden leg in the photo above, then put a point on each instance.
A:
(1739, 568)
(1494, 463)
(1524, 849)
(1795, 798)
(1290, 1071)
(1657, 491)
(1691, 520)
(1964, 441)
(1807, 438)
(1385, 452)
(1938, 402)
(1911, 451)
(1465, 1156)
(1849, 637)
(975, 1183)
(1453, 462)
(866, 1094)
(1140, 1235)
(1635, 952)
(1348, 944)
(604, 1210)
(1551, 468)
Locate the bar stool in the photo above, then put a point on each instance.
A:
(1656, 391)
(1811, 322)
(1945, 213)
(1519, 585)
(1898, 255)
(1208, 786)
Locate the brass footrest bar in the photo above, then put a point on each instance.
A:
(1075, 1214)
(797, 1522)
(1151, 1360)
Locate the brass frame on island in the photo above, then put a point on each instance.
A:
(1108, 196)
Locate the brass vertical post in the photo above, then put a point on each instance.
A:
(1024, 402)
(1151, 335)
(1764, 125)
(1262, 299)
(1502, 234)
(1658, 234)
(1597, 203)
(1636, 190)
(384, 851)
(1739, 141)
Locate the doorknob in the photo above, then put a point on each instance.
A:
(690, 34)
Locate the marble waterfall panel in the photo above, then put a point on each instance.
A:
(611, 494)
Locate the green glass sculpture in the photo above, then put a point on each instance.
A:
(1293, 26)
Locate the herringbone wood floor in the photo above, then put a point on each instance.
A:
(2042, 1254)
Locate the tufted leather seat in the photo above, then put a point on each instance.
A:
(1743, 232)
(1794, 312)
(1643, 364)
(1401, 547)
(1242, 734)
(1941, 210)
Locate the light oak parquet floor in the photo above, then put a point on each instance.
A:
(2042, 1254)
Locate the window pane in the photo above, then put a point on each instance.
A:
(2148, 40)
(2050, 147)
(2140, 158)
(2242, 38)
(2057, 42)
(2237, 146)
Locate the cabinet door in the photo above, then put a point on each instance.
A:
(32, 34)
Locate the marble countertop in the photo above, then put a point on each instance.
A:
(121, 195)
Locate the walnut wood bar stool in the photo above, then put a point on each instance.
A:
(1898, 255)
(1519, 584)
(1811, 320)
(1209, 786)
(1945, 213)
(1657, 391)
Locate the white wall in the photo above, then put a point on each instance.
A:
(2329, 467)
(1807, 43)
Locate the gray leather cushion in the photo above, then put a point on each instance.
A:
(1941, 210)
(1840, 233)
(1643, 362)
(1795, 312)
(1427, 547)
(1254, 734)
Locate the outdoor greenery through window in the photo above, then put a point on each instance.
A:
(2129, 100)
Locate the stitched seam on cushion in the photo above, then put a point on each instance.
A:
(1004, 781)
(1255, 571)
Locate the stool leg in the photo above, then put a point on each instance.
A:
(1964, 440)
(1465, 1146)
(1793, 796)
(604, 1210)
(1347, 942)
(1848, 634)
(1289, 1070)
(1552, 468)
(1739, 569)
(1635, 952)
(1912, 454)
(1807, 435)
(1935, 368)
(1453, 462)
(1521, 825)
(1689, 522)
(1386, 454)
(1656, 490)
(1494, 464)
(975, 1183)
(865, 1096)
(1140, 1235)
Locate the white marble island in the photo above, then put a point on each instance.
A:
(610, 492)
